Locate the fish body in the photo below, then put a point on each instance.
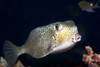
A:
(88, 6)
(49, 39)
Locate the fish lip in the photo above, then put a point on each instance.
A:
(77, 38)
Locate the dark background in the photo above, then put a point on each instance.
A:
(19, 17)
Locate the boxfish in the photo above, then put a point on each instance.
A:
(53, 38)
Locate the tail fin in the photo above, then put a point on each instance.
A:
(11, 53)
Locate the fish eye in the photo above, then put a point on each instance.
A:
(58, 27)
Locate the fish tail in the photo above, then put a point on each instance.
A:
(11, 52)
(96, 5)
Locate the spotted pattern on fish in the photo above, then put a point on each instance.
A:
(49, 39)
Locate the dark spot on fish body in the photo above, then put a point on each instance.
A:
(69, 29)
(53, 36)
(45, 29)
(42, 31)
(55, 39)
(56, 34)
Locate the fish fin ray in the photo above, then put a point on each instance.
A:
(96, 5)
(10, 53)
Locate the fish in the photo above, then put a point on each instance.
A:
(88, 6)
(53, 38)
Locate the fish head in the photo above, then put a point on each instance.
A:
(65, 36)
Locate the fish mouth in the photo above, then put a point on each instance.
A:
(77, 38)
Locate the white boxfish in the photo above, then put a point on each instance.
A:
(49, 39)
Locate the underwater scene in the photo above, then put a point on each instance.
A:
(49, 33)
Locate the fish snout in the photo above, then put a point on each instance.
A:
(77, 38)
